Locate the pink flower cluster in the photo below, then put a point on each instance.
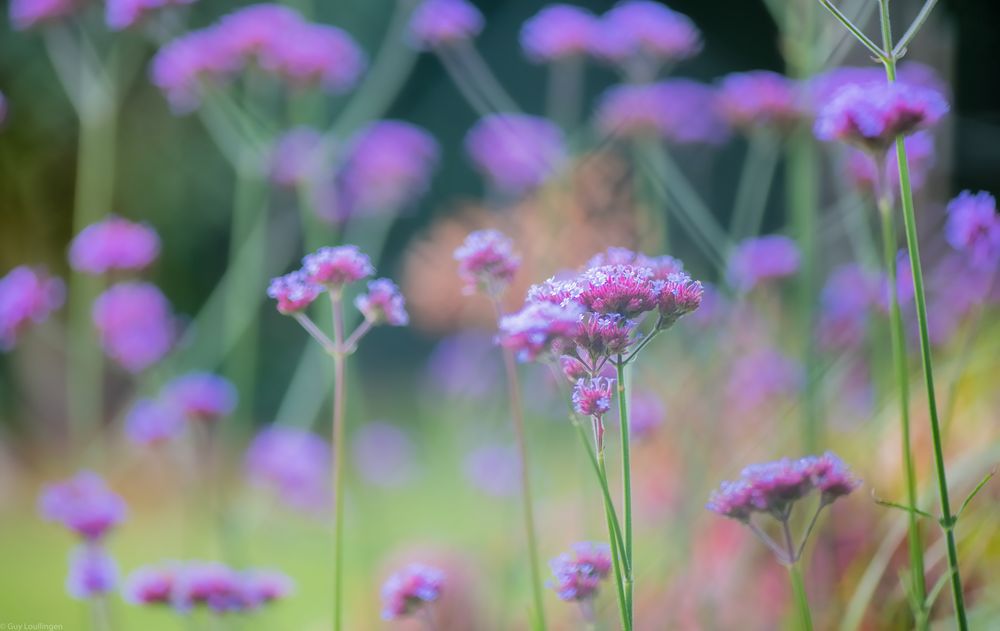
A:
(646, 32)
(201, 396)
(559, 31)
(298, 157)
(123, 14)
(25, 14)
(851, 293)
(275, 38)
(578, 576)
(215, 586)
(973, 228)
(26, 296)
(410, 589)
(592, 397)
(83, 504)
(487, 261)
(92, 572)
(293, 291)
(757, 260)
(383, 303)
(681, 111)
(438, 23)
(114, 244)
(135, 324)
(773, 487)
(335, 267)
(866, 172)
(292, 463)
(152, 422)
(515, 152)
(759, 99)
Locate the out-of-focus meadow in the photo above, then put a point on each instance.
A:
(775, 362)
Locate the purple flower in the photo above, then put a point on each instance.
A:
(678, 296)
(92, 572)
(493, 469)
(643, 31)
(760, 98)
(592, 397)
(293, 463)
(679, 110)
(135, 324)
(151, 422)
(871, 116)
(764, 258)
(123, 14)
(603, 336)
(315, 55)
(437, 23)
(265, 586)
(293, 291)
(383, 304)
(832, 478)
(761, 376)
(384, 455)
(578, 576)
(26, 295)
(487, 261)
(3, 109)
(465, 364)
(201, 396)
(622, 290)
(558, 31)
(114, 244)
(181, 67)
(850, 294)
(973, 228)
(661, 266)
(25, 14)
(83, 504)
(515, 152)
(410, 589)
(334, 267)
(389, 165)
(219, 588)
(645, 415)
(535, 328)
(863, 169)
(214, 585)
(821, 88)
(151, 585)
(298, 157)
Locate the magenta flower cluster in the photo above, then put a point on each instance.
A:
(487, 261)
(293, 464)
(440, 23)
(214, 586)
(135, 324)
(578, 577)
(759, 99)
(761, 259)
(876, 176)
(559, 31)
(192, 397)
(92, 572)
(271, 37)
(114, 244)
(847, 299)
(973, 228)
(411, 589)
(383, 304)
(641, 31)
(336, 267)
(680, 111)
(592, 397)
(27, 296)
(515, 152)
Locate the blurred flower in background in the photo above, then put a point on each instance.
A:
(26, 296)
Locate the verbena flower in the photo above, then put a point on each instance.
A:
(201, 396)
(558, 31)
(515, 152)
(759, 99)
(292, 463)
(578, 577)
(83, 504)
(760, 377)
(622, 290)
(757, 260)
(293, 291)
(219, 588)
(871, 116)
(973, 228)
(410, 589)
(182, 66)
(114, 244)
(437, 23)
(678, 295)
(604, 336)
(661, 266)
(533, 330)
(850, 294)
(639, 30)
(821, 88)
(123, 14)
(487, 261)
(213, 585)
(335, 267)
(384, 455)
(298, 157)
(92, 572)
(383, 303)
(27, 296)
(864, 169)
(493, 469)
(680, 111)
(25, 14)
(151, 585)
(135, 324)
(592, 397)
(151, 422)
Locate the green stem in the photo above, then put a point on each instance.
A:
(913, 247)
(626, 484)
(801, 600)
(754, 185)
(617, 549)
(339, 408)
(898, 344)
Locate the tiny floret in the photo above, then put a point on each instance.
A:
(114, 244)
(383, 304)
(486, 260)
(294, 292)
(410, 589)
(592, 397)
(578, 577)
(334, 267)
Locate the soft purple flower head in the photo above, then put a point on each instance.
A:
(558, 31)
(535, 328)
(293, 291)
(647, 32)
(847, 299)
(761, 376)
(761, 259)
(661, 266)
(83, 504)
(266, 586)
(298, 157)
(383, 303)
(759, 98)
(973, 228)
(678, 296)
(871, 116)
(410, 589)
(681, 111)
(384, 455)
(315, 55)
(151, 422)
(151, 585)
(201, 396)
(487, 261)
(334, 267)
(92, 572)
(515, 152)
(180, 67)
(603, 336)
(293, 463)
(219, 588)
(621, 290)
(210, 584)
(114, 244)
(135, 324)
(592, 397)
(863, 168)
(25, 14)
(821, 88)
(388, 166)
(123, 14)
(437, 23)
(27, 295)
(646, 414)
(493, 469)
(578, 576)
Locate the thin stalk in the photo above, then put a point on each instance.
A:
(860, 36)
(913, 247)
(898, 343)
(801, 600)
(754, 185)
(626, 484)
(900, 49)
(101, 617)
(614, 528)
(617, 558)
(565, 86)
(339, 408)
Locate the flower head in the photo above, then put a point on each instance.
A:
(603, 336)
(621, 290)
(493, 469)
(383, 304)
(764, 258)
(678, 296)
(760, 98)
(384, 454)
(534, 329)
(92, 572)
(640, 30)
(114, 244)
(578, 576)
(486, 260)
(334, 267)
(515, 152)
(410, 589)
(215, 586)
(678, 110)
(298, 157)
(293, 291)
(863, 168)
(592, 397)
(135, 324)
(850, 293)
(180, 67)
(201, 396)
(83, 504)
(151, 422)
(151, 585)
(558, 31)
(438, 23)
(210, 584)
(293, 463)
(973, 228)
(27, 295)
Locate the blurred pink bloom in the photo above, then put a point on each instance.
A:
(383, 304)
(201, 396)
(92, 572)
(123, 14)
(493, 469)
(181, 66)
(334, 267)
(851, 293)
(759, 98)
(151, 422)
(384, 455)
(761, 259)
(114, 244)
(26, 296)
(558, 31)
(83, 504)
(293, 291)
(863, 170)
(592, 397)
(821, 88)
(973, 228)
(532, 331)
(438, 23)
(294, 464)
(219, 588)
(679, 110)
(411, 588)
(487, 261)
(760, 377)
(151, 585)
(314, 54)
(639, 30)
(25, 14)
(578, 577)
(298, 157)
(515, 152)
(135, 324)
